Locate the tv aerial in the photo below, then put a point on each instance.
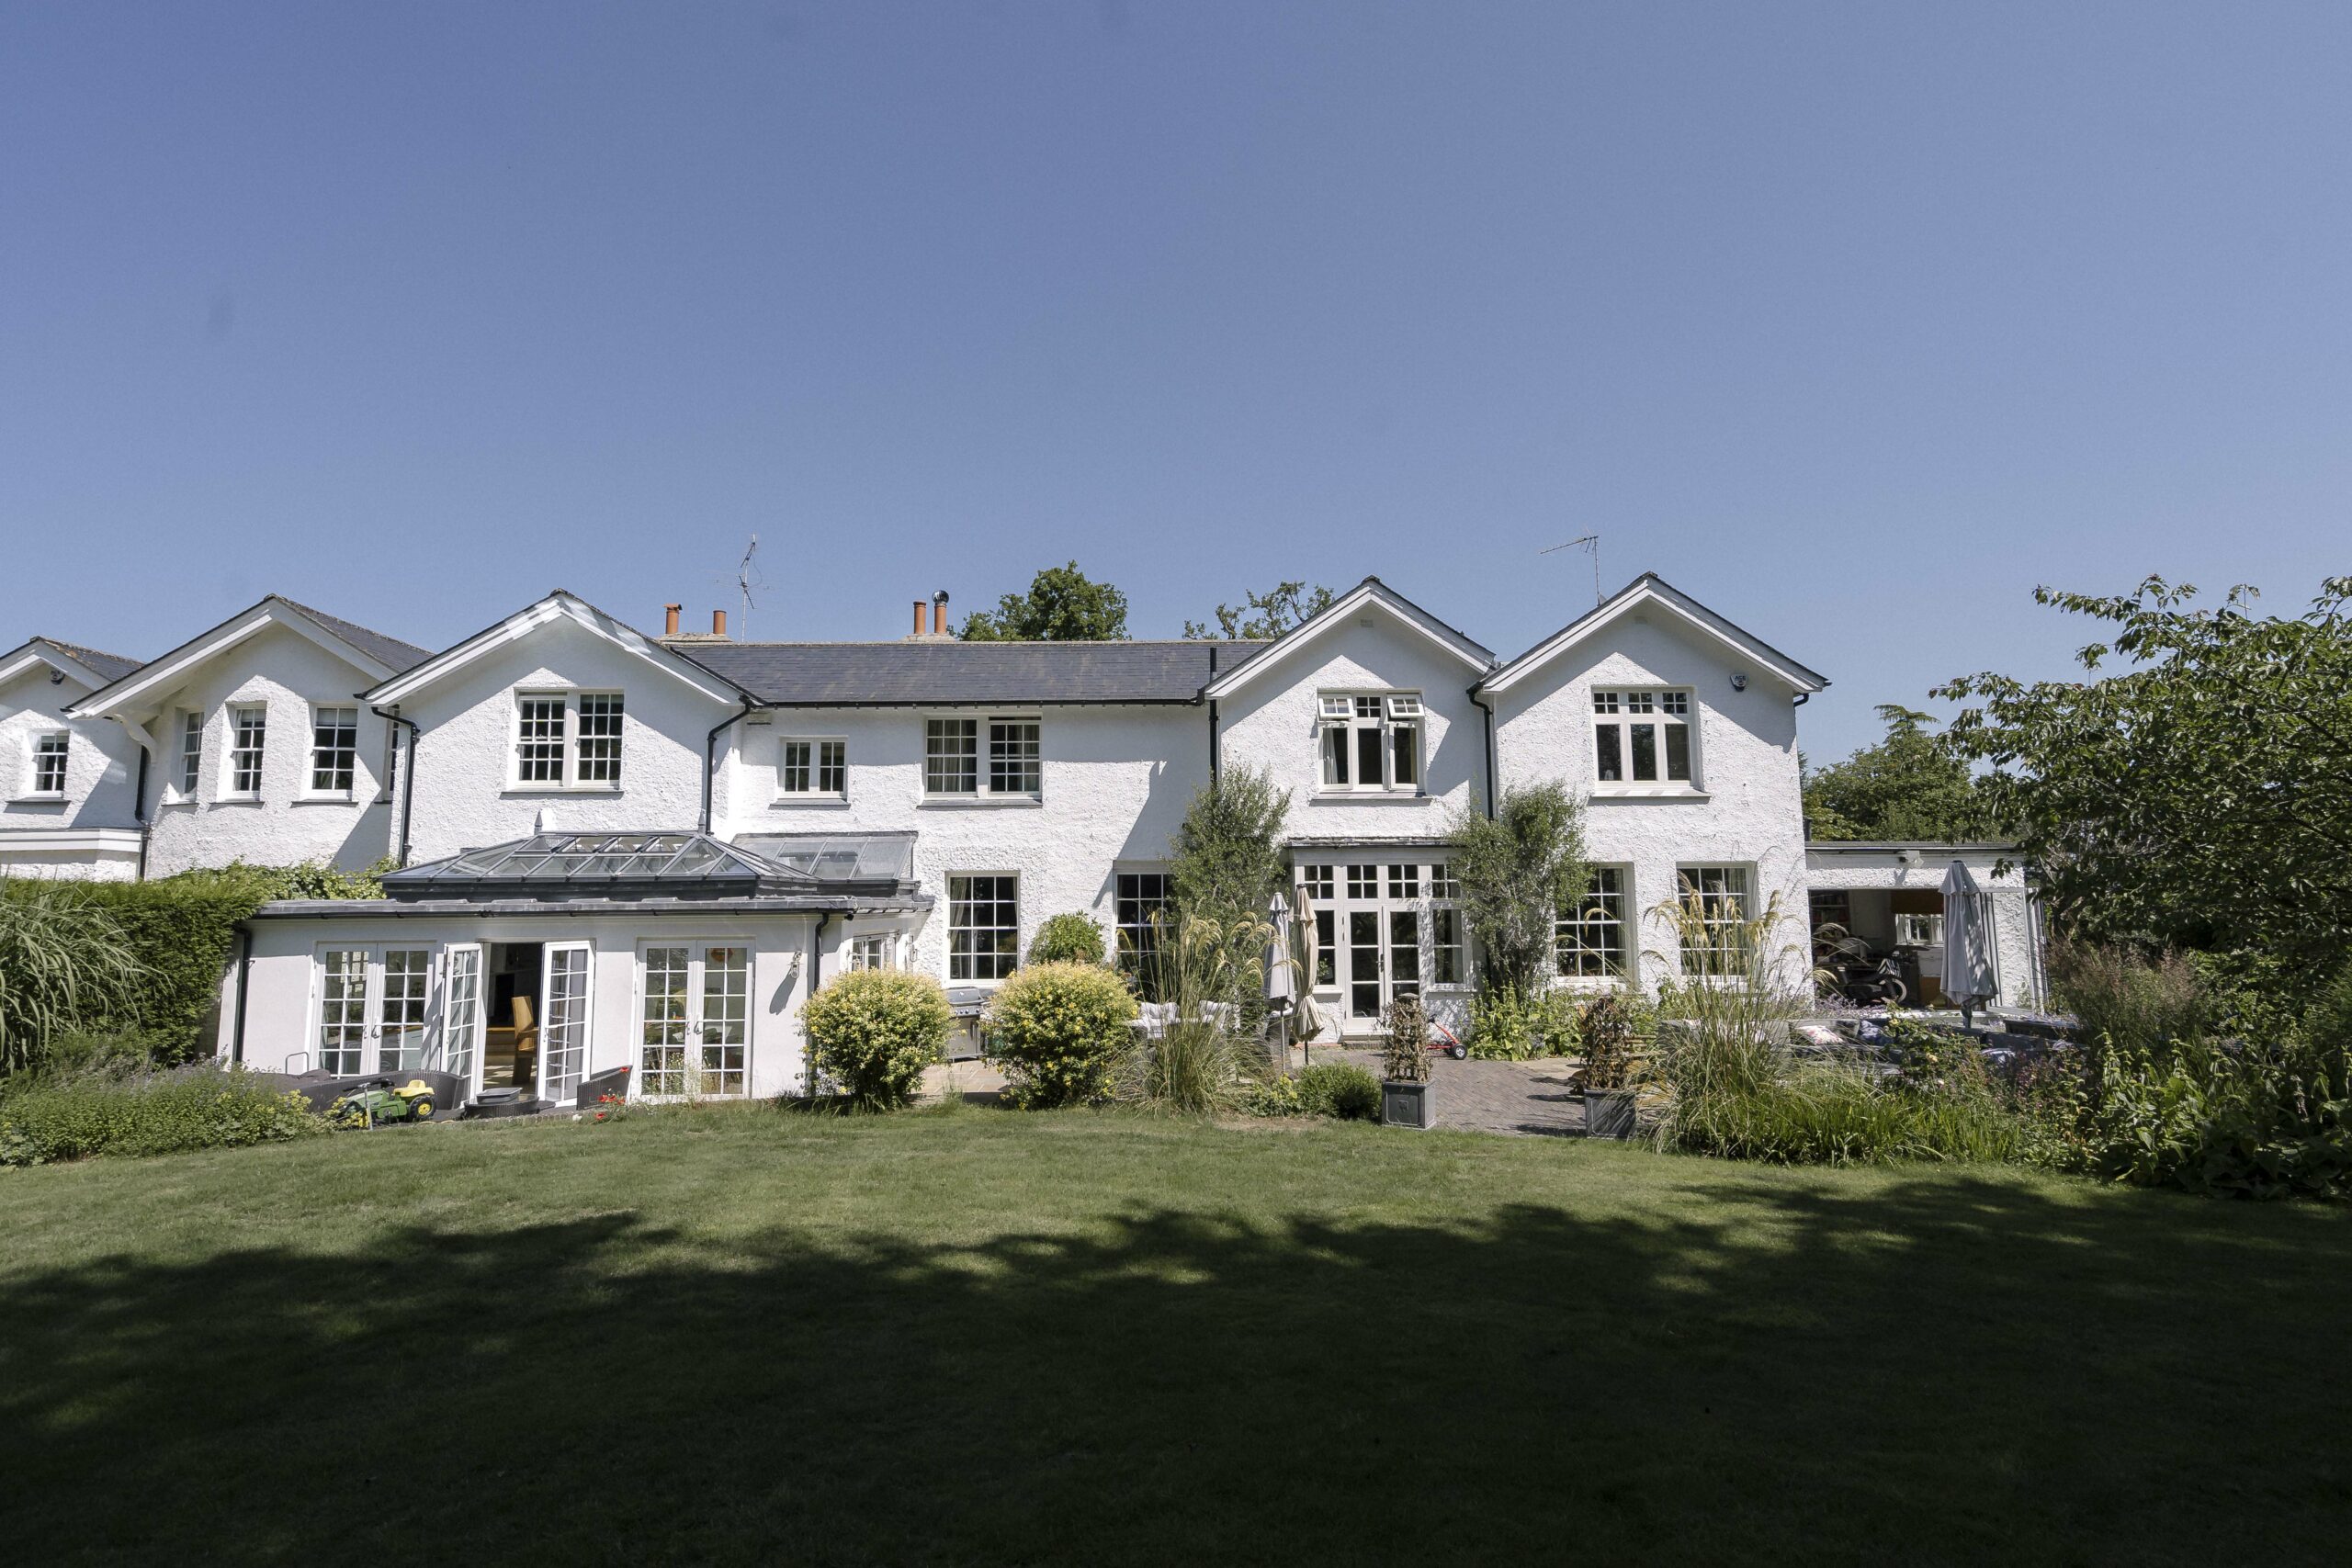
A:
(746, 579)
(1591, 547)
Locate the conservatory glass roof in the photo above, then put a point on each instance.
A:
(838, 857)
(553, 860)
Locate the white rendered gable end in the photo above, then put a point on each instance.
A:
(1650, 595)
(1344, 611)
(556, 607)
(129, 698)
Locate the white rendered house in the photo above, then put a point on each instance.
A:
(68, 784)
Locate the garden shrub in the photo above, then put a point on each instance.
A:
(1339, 1090)
(205, 1108)
(2123, 998)
(1058, 1031)
(1067, 939)
(1508, 1026)
(874, 1031)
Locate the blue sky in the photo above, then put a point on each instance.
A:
(1856, 321)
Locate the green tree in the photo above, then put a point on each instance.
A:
(1226, 860)
(1266, 617)
(1518, 870)
(1906, 786)
(1063, 604)
(2200, 796)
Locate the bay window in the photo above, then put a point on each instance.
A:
(1370, 740)
(1641, 737)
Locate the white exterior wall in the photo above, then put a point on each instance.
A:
(94, 830)
(465, 796)
(1115, 784)
(2018, 955)
(1748, 805)
(288, 673)
(282, 1003)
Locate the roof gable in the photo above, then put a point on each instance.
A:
(1371, 593)
(372, 654)
(86, 665)
(1650, 591)
(560, 606)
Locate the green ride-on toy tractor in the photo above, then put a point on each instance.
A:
(377, 1103)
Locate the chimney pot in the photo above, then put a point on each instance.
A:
(939, 613)
(918, 631)
(670, 619)
(718, 623)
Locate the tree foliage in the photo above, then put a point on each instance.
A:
(1906, 786)
(1227, 861)
(1518, 870)
(1063, 604)
(1265, 616)
(2200, 796)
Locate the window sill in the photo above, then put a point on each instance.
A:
(981, 800)
(836, 802)
(324, 799)
(1367, 796)
(44, 798)
(571, 791)
(236, 800)
(1648, 792)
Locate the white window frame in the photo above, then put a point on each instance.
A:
(191, 755)
(1738, 880)
(1004, 961)
(570, 742)
(996, 745)
(1421, 894)
(870, 950)
(1607, 904)
(1343, 717)
(343, 756)
(47, 750)
(718, 1075)
(1622, 717)
(1135, 940)
(814, 769)
(230, 754)
(371, 1030)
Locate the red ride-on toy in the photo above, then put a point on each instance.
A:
(1442, 1040)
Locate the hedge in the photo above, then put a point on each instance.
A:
(208, 1108)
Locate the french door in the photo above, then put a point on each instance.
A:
(1383, 930)
(373, 1009)
(693, 1019)
(563, 1019)
(457, 1042)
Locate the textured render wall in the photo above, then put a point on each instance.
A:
(1744, 757)
(463, 798)
(101, 761)
(1115, 783)
(2018, 952)
(287, 672)
(1271, 723)
(280, 1005)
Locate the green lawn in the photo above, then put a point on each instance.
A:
(973, 1336)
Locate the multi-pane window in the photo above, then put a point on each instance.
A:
(1641, 737)
(1717, 896)
(1404, 953)
(1449, 953)
(875, 949)
(1370, 740)
(400, 1043)
(538, 739)
(1363, 882)
(1405, 880)
(600, 739)
(814, 767)
(983, 926)
(952, 757)
(1139, 912)
(248, 729)
(1319, 881)
(725, 1018)
(1590, 937)
(49, 762)
(191, 752)
(661, 1023)
(343, 1008)
(335, 750)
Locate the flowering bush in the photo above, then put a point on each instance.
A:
(608, 1108)
(204, 1109)
(1057, 1030)
(874, 1031)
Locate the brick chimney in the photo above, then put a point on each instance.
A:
(918, 631)
(719, 624)
(670, 619)
(937, 631)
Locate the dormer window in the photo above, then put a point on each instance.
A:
(1641, 737)
(568, 740)
(1370, 742)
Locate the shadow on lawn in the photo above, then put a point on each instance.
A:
(1933, 1369)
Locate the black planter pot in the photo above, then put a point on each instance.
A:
(1608, 1113)
(1407, 1104)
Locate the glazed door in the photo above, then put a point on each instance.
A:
(694, 1022)
(459, 1049)
(372, 1009)
(564, 998)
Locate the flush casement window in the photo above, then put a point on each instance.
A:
(568, 740)
(813, 768)
(874, 949)
(334, 750)
(693, 1019)
(248, 732)
(1591, 938)
(1641, 737)
(45, 769)
(191, 763)
(1370, 742)
(983, 926)
(1141, 905)
(1718, 898)
(977, 759)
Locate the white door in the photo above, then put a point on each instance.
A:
(372, 1009)
(693, 1019)
(459, 1046)
(563, 1019)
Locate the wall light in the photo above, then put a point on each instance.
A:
(1739, 682)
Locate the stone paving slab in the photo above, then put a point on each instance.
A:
(1532, 1098)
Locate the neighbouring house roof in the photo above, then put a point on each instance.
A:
(1649, 592)
(372, 653)
(559, 605)
(101, 668)
(1474, 656)
(947, 673)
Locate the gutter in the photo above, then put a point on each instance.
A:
(711, 755)
(408, 773)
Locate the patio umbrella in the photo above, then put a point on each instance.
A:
(1306, 1022)
(1282, 980)
(1969, 969)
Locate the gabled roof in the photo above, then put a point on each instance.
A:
(559, 605)
(372, 653)
(949, 673)
(87, 663)
(1650, 591)
(1475, 656)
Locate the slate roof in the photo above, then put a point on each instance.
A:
(906, 675)
(388, 651)
(105, 666)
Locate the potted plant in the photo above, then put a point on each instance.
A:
(1607, 1031)
(1405, 1068)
